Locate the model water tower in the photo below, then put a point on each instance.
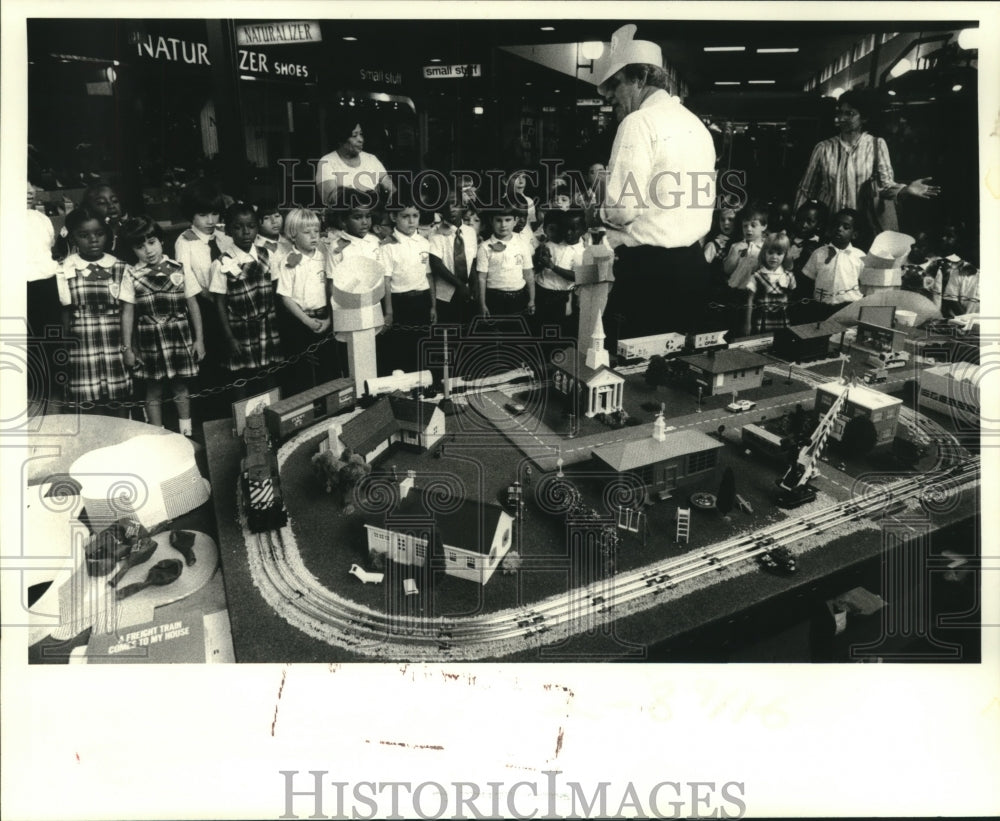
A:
(358, 287)
(593, 278)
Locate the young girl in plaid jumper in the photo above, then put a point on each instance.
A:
(769, 286)
(161, 304)
(243, 285)
(89, 284)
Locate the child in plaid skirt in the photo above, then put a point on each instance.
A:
(769, 288)
(89, 284)
(161, 304)
(244, 290)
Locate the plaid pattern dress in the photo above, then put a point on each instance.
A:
(770, 300)
(164, 333)
(251, 311)
(96, 367)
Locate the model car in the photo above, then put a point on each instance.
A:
(515, 408)
(740, 405)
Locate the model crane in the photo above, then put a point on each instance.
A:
(794, 485)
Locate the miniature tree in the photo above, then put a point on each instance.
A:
(720, 430)
(511, 563)
(657, 371)
(727, 492)
(859, 436)
(353, 469)
(327, 469)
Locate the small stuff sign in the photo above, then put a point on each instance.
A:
(451, 72)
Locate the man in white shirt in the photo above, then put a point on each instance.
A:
(660, 194)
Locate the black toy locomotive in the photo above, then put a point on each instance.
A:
(259, 480)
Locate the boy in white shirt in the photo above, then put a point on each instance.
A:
(835, 268)
(453, 248)
(555, 262)
(409, 299)
(503, 263)
(304, 291)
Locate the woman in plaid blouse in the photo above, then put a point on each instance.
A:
(840, 165)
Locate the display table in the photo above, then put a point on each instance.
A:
(714, 623)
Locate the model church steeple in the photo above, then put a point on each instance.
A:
(597, 356)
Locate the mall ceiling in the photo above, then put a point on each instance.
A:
(683, 42)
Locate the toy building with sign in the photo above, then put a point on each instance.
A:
(665, 461)
(880, 408)
(724, 371)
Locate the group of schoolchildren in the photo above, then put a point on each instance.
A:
(768, 271)
(248, 286)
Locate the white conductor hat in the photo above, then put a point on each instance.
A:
(625, 51)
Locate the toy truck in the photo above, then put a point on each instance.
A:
(889, 360)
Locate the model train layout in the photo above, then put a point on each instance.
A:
(644, 466)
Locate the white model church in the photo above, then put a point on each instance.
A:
(590, 375)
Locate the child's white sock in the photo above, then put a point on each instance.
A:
(185, 426)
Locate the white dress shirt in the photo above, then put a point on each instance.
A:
(443, 247)
(661, 177)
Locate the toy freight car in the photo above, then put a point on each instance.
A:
(671, 344)
(398, 381)
(289, 415)
(261, 486)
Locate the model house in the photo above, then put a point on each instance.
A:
(469, 541)
(882, 409)
(725, 371)
(393, 418)
(665, 461)
(805, 343)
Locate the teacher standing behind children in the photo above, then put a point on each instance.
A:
(660, 194)
(349, 166)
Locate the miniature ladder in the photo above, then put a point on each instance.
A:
(683, 523)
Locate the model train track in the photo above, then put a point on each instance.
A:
(303, 602)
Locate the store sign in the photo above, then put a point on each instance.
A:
(255, 62)
(590, 101)
(451, 72)
(281, 33)
(392, 78)
(172, 49)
